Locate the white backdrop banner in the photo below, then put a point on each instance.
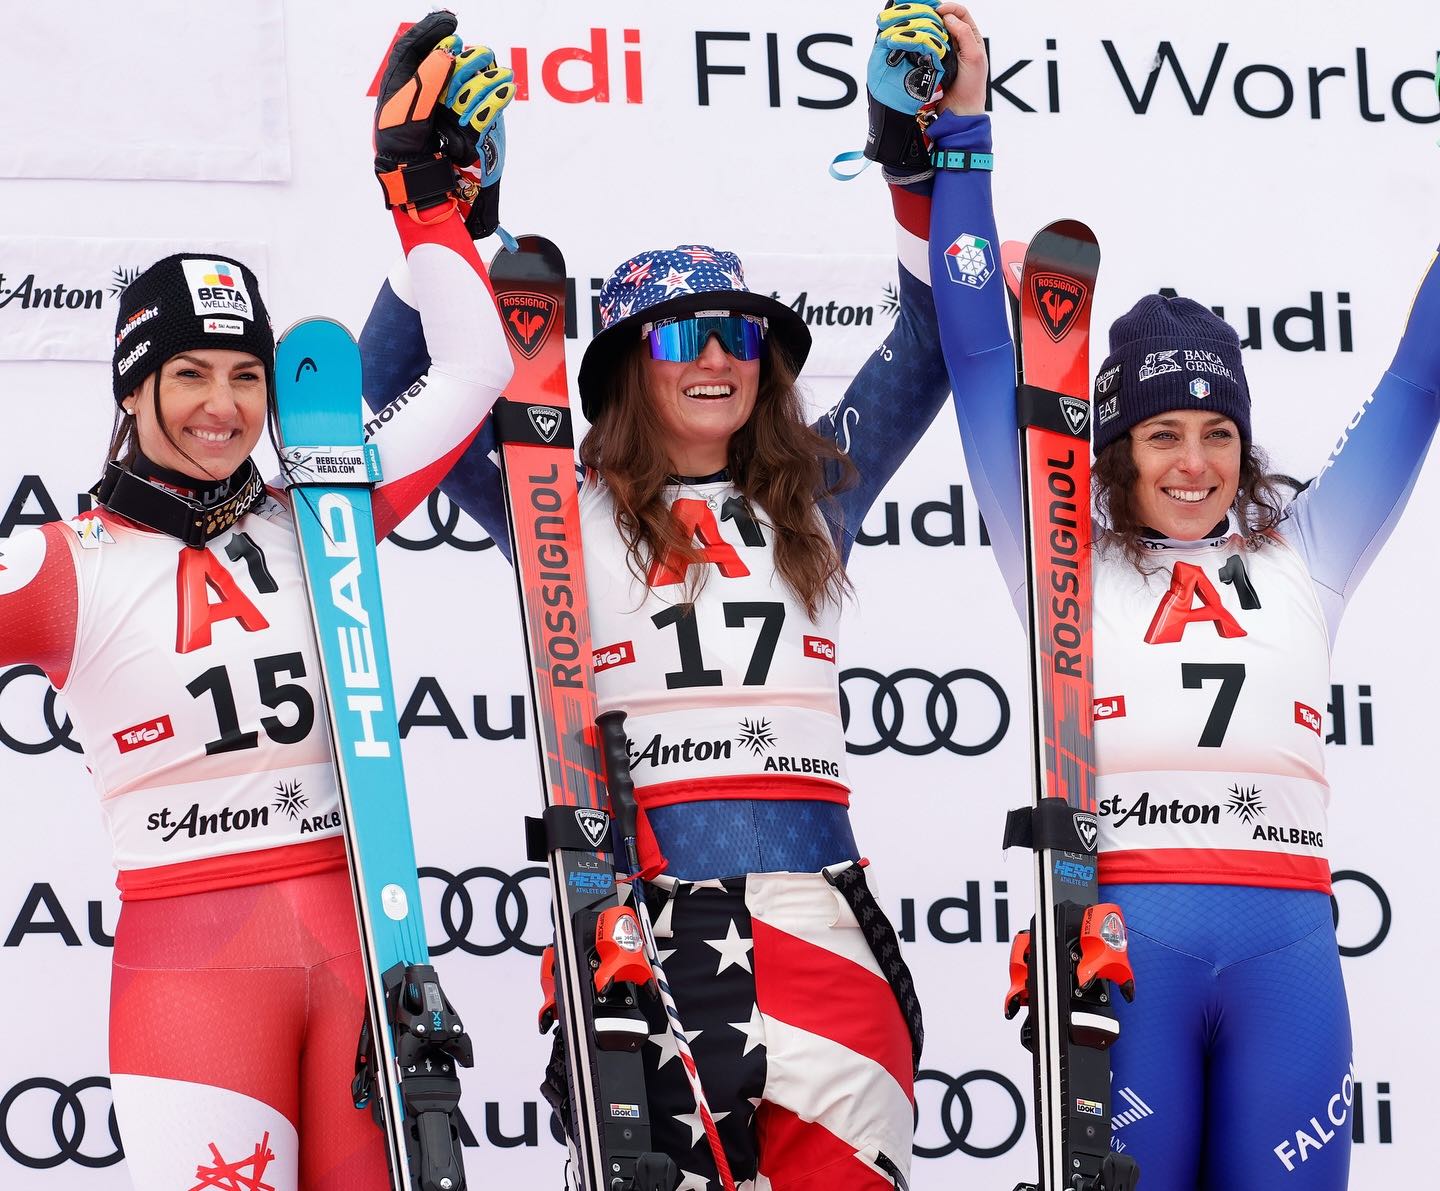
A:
(1276, 161)
(57, 294)
(146, 89)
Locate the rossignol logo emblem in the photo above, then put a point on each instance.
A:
(527, 318)
(593, 824)
(545, 419)
(1077, 413)
(1087, 827)
(1059, 300)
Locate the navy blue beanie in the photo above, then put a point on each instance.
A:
(1169, 353)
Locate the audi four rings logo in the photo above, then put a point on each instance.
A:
(23, 1110)
(916, 712)
(445, 529)
(1000, 1111)
(479, 923)
(31, 722)
(1367, 916)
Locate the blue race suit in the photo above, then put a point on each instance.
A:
(1233, 1068)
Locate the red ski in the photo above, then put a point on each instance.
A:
(597, 966)
(1064, 966)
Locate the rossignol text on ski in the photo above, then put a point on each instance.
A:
(1065, 967)
(597, 968)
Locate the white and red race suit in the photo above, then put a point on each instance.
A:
(193, 682)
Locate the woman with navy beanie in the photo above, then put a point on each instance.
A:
(1217, 594)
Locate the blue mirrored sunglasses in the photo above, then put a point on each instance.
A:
(681, 340)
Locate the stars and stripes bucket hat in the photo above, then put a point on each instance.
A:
(670, 283)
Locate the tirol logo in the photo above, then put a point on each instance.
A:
(622, 653)
(545, 419)
(528, 318)
(1059, 299)
(1077, 413)
(819, 647)
(1111, 708)
(1087, 827)
(1308, 717)
(593, 824)
(150, 732)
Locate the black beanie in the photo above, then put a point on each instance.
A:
(1169, 353)
(186, 301)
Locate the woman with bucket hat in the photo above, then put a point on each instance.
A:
(716, 522)
(173, 621)
(1217, 595)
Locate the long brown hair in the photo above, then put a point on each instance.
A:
(1259, 501)
(776, 460)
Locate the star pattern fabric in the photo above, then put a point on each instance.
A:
(651, 277)
(841, 1088)
(709, 928)
(732, 948)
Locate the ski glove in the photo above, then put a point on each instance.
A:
(905, 60)
(478, 94)
(911, 52)
(411, 143)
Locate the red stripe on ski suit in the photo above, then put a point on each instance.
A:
(800, 1155)
(829, 995)
(1214, 866)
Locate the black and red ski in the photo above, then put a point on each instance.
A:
(1065, 968)
(597, 966)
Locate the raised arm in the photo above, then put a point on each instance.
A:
(395, 359)
(897, 392)
(447, 326)
(1343, 518)
(970, 303)
(427, 426)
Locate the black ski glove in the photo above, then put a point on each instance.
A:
(411, 142)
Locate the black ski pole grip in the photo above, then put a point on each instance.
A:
(617, 771)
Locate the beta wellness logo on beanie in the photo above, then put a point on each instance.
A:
(217, 287)
(184, 302)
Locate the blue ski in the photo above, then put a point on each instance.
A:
(406, 1071)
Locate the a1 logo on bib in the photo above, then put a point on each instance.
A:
(527, 318)
(1087, 827)
(1059, 299)
(594, 825)
(545, 419)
